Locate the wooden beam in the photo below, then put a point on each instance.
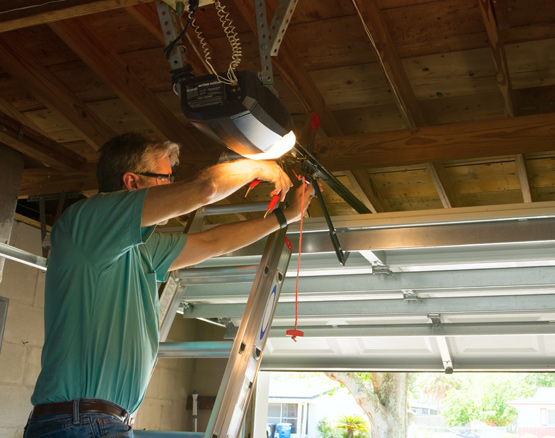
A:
(377, 31)
(48, 181)
(35, 145)
(51, 92)
(501, 14)
(457, 141)
(498, 52)
(8, 109)
(445, 189)
(523, 177)
(28, 126)
(18, 14)
(78, 35)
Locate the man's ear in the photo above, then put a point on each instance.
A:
(130, 181)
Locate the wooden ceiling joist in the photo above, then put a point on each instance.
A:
(23, 13)
(523, 177)
(47, 181)
(77, 34)
(457, 141)
(378, 34)
(492, 13)
(447, 193)
(498, 53)
(35, 145)
(51, 92)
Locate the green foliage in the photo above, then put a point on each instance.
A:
(432, 386)
(482, 397)
(345, 426)
(327, 430)
(353, 424)
(541, 380)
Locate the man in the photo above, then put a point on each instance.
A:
(101, 300)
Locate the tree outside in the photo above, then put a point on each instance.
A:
(461, 399)
(382, 397)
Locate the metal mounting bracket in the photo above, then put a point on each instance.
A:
(410, 295)
(270, 38)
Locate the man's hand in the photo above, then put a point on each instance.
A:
(271, 172)
(297, 209)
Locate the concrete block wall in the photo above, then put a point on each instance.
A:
(173, 380)
(24, 333)
(164, 406)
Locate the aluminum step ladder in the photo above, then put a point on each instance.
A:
(237, 384)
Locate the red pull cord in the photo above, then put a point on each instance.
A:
(294, 333)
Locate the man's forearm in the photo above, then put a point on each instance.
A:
(223, 239)
(214, 184)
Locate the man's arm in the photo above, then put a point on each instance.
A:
(215, 183)
(226, 238)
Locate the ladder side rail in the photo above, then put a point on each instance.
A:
(246, 355)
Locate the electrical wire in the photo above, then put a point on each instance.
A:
(234, 42)
(22, 8)
(179, 74)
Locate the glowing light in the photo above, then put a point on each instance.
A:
(279, 148)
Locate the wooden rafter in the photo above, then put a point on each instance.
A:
(45, 181)
(498, 53)
(455, 141)
(35, 145)
(442, 183)
(376, 30)
(77, 34)
(362, 183)
(523, 177)
(23, 13)
(51, 92)
(492, 13)
(378, 34)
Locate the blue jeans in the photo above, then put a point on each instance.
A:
(83, 425)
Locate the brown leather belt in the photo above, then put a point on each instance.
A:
(85, 407)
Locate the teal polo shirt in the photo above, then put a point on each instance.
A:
(101, 301)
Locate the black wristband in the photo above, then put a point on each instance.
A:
(280, 217)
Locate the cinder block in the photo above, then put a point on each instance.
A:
(149, 416)
(16, 404)
(19, 282)
(171, 385)
(39, 290)
(26, 237)
(32, 366)
(182, 330)
(153, 389)
(7, 431)
(24, 324)
(12, 359)
(208, 375)
(171, 416)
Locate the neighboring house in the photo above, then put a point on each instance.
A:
(536, 415)
(304, 403)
